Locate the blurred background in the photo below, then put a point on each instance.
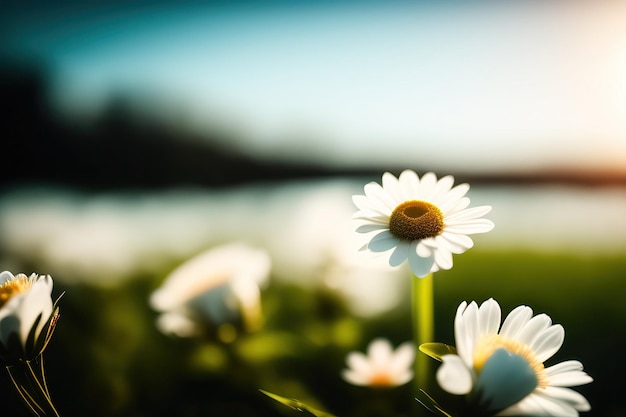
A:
(139, 134)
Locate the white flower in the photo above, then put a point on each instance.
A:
(219, 286)
(502, 368)
(382, 366)
(27, 315)
(423, 220)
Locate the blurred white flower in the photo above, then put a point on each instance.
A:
(502, 370)
(423, 220)
(219, 286)
(27, 315)
(382, 366)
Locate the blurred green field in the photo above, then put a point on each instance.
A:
(108, 359)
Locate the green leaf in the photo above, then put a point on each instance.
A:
(297, 405)
(437, 350)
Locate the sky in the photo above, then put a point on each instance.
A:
(481, 86)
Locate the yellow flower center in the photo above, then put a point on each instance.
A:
(416, 220)
(489, 344)
(21, 283)
(381, 379)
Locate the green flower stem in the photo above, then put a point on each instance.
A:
(423, 325)
(30, 383)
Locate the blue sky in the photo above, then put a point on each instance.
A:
(481, 86)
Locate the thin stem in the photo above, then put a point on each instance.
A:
(423, 325)
(32, 388)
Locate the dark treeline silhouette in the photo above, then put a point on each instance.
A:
(117, 152)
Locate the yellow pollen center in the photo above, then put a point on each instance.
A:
(21, 283)
(381, 379)
(416, 220)
(489, 344)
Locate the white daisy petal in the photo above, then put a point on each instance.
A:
(399, 254)
(454, 195)
(468, 214)
(366, 228)
(422, 249)
(535, 325)
(548, 342)
(371, 216)
(515, 321)
(379, 198)
(575, 399)
(358, 362)
(466, 331)
(382, 242)
(409, 182)
(489, 317)
(419, 266)
(458, 243)
(441, 189)
(354, 377)
(443, 257)
(392, 186)
(449, 207)
(470, 227)
(453, 376)
(427, 186)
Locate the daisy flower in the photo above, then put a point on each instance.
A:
(219, 286)
(501, 369)
(423, 220)
(382, 366)
(27, 316)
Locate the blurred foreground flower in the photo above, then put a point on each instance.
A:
(219, 287)
(501, 369)
(27, 320)
(423, 220)
(382, 366)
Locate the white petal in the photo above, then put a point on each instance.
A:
(379, 352)
(35, 302)
(533, 327)
(469, 227)
(452, 198)
(403, 358)
(371, 217)
(515, 321)
(454, 376)
(457, 243)
(371, 227)
(409, 182)
(443, 257)
(539, 406)
(382, 242)
(419, 266)
(449, 207)
(466, 330)
(379, 198)
(567, 374)
(355, 378)
(422, 249)
(441, 190)
(548, 342)
(399, 254)
(489, 317)
(392, 186)
(468, 214)
(577, 400)
(427, 186)
(6, 276)
(358, 362)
